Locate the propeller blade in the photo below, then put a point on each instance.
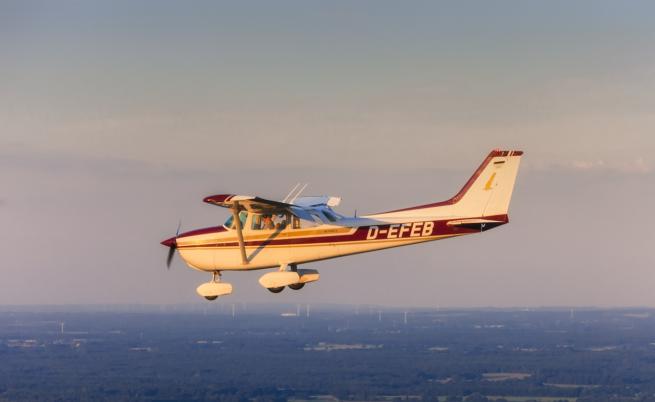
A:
(169, 258)
(172, 245)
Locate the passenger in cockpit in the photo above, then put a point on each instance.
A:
(267, 222)
(282, 222)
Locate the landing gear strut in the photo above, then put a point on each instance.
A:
(216, 277)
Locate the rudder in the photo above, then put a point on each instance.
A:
(490, 193)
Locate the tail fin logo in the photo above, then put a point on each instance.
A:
(490, 182)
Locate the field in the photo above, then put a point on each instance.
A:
(343, 352)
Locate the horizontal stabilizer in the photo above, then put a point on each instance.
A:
(477, 224)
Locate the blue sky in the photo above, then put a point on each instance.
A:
(118, 117)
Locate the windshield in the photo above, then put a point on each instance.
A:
(243, 215)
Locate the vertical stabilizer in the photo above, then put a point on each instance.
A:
(490, 193)
(487, 193)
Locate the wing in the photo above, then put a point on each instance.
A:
(250, 203)
(257, 205)
(313, 201)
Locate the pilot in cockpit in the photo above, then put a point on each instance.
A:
(267, 222)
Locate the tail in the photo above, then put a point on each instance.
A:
(486, 194)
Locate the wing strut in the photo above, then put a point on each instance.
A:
(237, 223)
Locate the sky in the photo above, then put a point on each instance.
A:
(117, 118)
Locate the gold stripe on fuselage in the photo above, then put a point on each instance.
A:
(271, 235)
(292, 245)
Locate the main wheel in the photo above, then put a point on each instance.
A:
(276, 290)
(211, 297)
(297, 286)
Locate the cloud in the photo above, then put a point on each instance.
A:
(588, 165)
(636, 166)
(639, 165)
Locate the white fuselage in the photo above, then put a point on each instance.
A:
(270, 248)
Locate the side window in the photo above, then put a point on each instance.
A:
(256, 222)
(317, 218)
(271, 221)
(229, 223)
(243, 216)
(298, 223)
(330, 216)
(281, 221)
(267, 222)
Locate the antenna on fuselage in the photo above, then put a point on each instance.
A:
(298, 193)
(291, 192)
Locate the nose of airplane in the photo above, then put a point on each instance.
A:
(172, 245)
(170, 242)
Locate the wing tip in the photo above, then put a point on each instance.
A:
(218, 198)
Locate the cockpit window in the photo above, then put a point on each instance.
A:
(229, 223)
(317, 218)
(270, 221)
(267, 222)
(256, 222)
(282, 221)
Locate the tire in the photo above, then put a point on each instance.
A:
(210, 298)
(276, 290)
(297, 286)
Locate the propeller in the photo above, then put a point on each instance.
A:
(172, 246)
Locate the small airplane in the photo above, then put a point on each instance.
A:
(262, 233)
